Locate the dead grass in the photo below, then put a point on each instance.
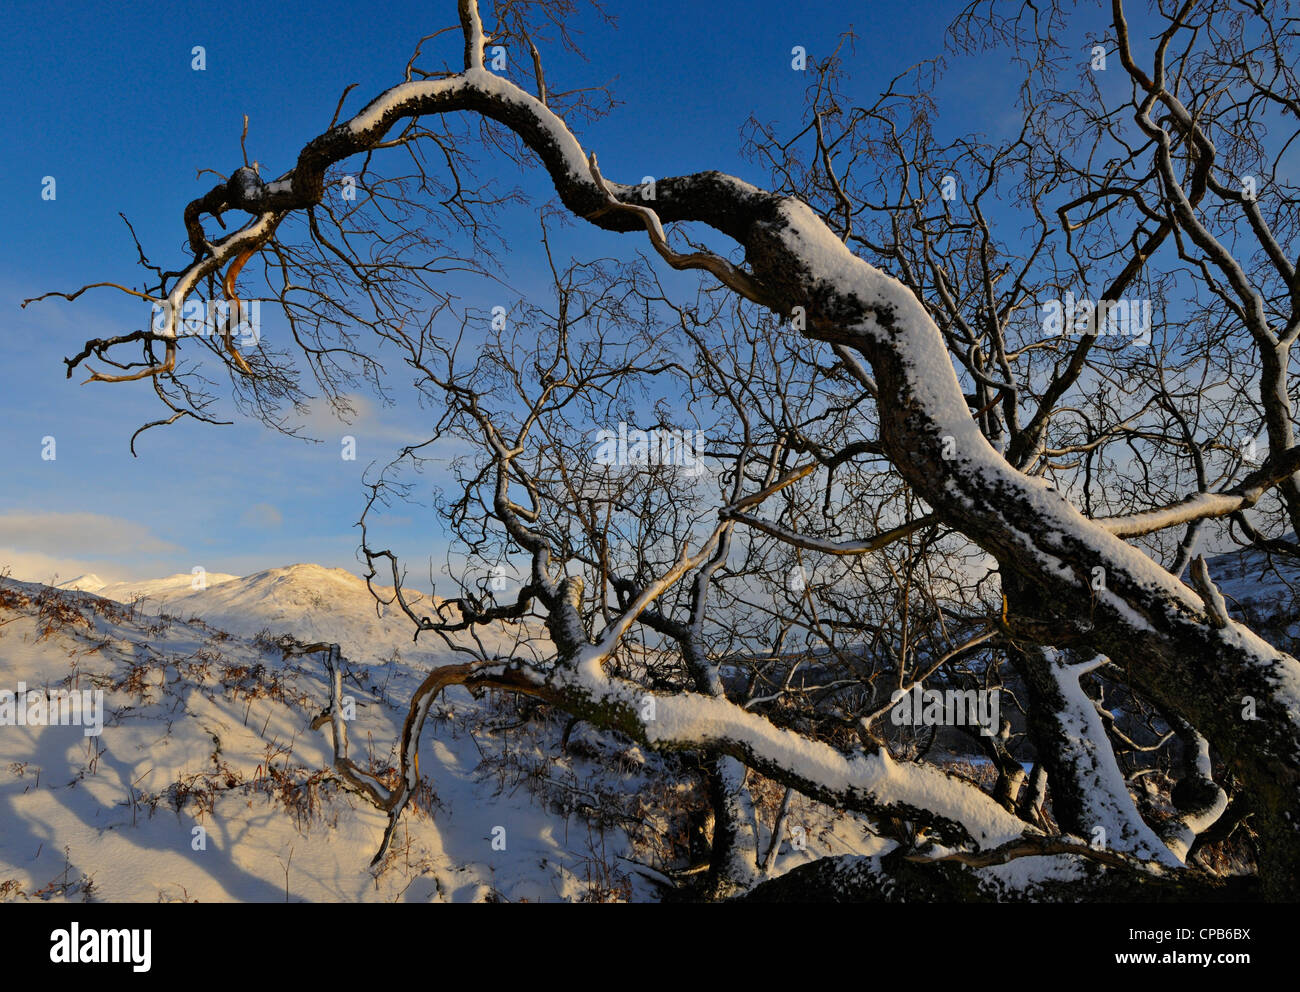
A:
(55, 611)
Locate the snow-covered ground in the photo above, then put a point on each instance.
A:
(205, 725)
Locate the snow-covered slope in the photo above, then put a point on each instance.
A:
(205, 725)
(1251, 578)
(313, 603)
(1263, 591)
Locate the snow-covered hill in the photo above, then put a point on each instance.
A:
(315, 604)
(312, 602)
(206, 725)
(90, 582)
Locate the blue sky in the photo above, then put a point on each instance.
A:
(103, 98)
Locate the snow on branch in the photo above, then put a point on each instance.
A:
(1108, 808)
(472, 25)
(1210, 595)
(1202, 506)
(958, 811)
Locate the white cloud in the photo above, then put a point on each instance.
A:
(263, 516)
(367, 421)
(78, 535)
(33, 566)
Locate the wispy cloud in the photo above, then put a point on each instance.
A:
(92, 535)
(362, 418)
(263, 516)
(33, 566)
(38, 547)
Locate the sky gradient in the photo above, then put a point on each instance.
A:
(111, 108)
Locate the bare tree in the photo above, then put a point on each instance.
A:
(877, 435)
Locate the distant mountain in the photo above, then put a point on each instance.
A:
(314, 603)
(155, 590)
(311, 602)
(90, 582)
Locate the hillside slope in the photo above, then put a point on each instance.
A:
(205, 725)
